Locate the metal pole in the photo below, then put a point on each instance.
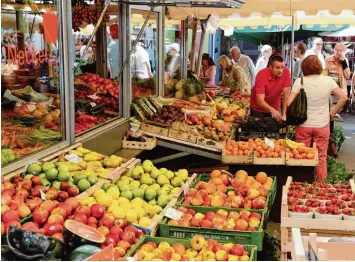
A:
(184, 50)
(193, 45)
(20, 25)
(283, 45)
(200, 51)
(292, 55)
(160, 47)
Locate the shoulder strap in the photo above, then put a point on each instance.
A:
(302, 82)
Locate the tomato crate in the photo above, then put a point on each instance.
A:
(187, 243)
(233, 236)
(270, 198)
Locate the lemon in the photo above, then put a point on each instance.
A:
(119, 212)
(114, 192)
(105, 200)
(99, 192)
(145, 221)
(87, 200)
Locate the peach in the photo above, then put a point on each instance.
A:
(183, 224)
(217, 202)
(191, 192)
(242, 223)
(254, 222)
(222, 188)
(253, 193)
(221, 255)
(210, 215)
(201, 185)
(245, 212)
(195, 222)
(263, 191)
(205, 223)
(179, 248)
(172, 222)
(216, 173)
(197, 200)
(191, 212)
(216, 181)
(210, 188)
(256, 215)
(186, 217)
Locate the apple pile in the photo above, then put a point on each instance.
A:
(201, 250)
(245, 191)
(102, 85)
(221, 219)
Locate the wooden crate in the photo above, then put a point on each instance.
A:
(237, 159)
(211, 143)
(319, 249)
(154, 129)
(302, 162)
(324, 228)
(126, 167)
(281, 161)
(148, 145)
(188, 137)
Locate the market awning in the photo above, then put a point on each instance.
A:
(266, 8)
(341, 33)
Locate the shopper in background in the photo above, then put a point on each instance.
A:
(271, 83)
(338, 66)
(233, 76)
(208, 70)
(140, 65)
(245, 62)
(300, 52)
(266, 52)
(174, 63)
(316, 129)
(317, 50)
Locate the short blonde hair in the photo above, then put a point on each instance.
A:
(224, 60)
(340, 45)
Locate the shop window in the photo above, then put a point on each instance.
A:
(31, 94)
(172, 56)
(144, 61)
(96, 83)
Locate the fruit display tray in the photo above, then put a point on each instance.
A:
(188, 137)
(250, 248)
(226, 159)
(232, 236)
(280, 161)
(163, 131)
(302, 162)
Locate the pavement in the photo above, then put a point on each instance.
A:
(347, 150)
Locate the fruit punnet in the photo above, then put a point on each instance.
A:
(248, 192)
(199, 249)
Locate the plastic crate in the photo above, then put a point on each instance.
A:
(232, 236)
(250, 248)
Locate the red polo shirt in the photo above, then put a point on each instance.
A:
(271, 87)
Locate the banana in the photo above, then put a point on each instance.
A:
(297, 144)
(292, 144)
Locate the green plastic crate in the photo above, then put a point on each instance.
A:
(250, 248)
(232, 236)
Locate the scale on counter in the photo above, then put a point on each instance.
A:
(187, 3)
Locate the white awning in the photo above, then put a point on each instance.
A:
(342, 33)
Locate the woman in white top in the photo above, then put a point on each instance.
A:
(262, 62)
(316, 129)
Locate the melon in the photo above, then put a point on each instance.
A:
(83, 252)
(77, 234)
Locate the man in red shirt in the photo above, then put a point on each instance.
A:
(271, 82)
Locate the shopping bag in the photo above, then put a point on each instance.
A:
(297, 111)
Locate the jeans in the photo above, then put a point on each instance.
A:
(321, 137)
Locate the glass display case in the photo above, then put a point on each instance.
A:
(32, 94)
(96, 83)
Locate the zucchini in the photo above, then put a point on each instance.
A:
(145, 108)
(151, 107)
(154, 103)
(139, 112)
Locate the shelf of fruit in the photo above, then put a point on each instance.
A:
(220, 189)
(28, 126)
(96, 101)
(198, 248)
(323, 200)
(237, 226)
(270, 152)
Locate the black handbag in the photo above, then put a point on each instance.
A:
(297, 112)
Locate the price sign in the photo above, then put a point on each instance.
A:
(269, 142)
(43, 195)
(92, 104)
(73, 158)
(185, 188)
(93, 97)
(174, 214)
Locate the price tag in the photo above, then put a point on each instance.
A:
(93, 97)
(174, 214)
(72, 158)
(185, 188)
(269, 142)
(92, 104)
(43, 195)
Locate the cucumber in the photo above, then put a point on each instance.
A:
(154, 103)
(145, 108)
(139, 112)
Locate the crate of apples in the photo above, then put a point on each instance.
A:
(241, 191)
(199, 248)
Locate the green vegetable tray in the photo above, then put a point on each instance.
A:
(232, 236)
(250, 248)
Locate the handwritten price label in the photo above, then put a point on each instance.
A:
(269, 142)
(73, 158)
(174, 214)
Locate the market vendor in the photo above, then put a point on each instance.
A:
(271, 83)
(233, 76)
(208, 70)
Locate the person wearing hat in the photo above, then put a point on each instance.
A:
(317, 50)
(262, 62)
(140, 65)
(174, 62)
